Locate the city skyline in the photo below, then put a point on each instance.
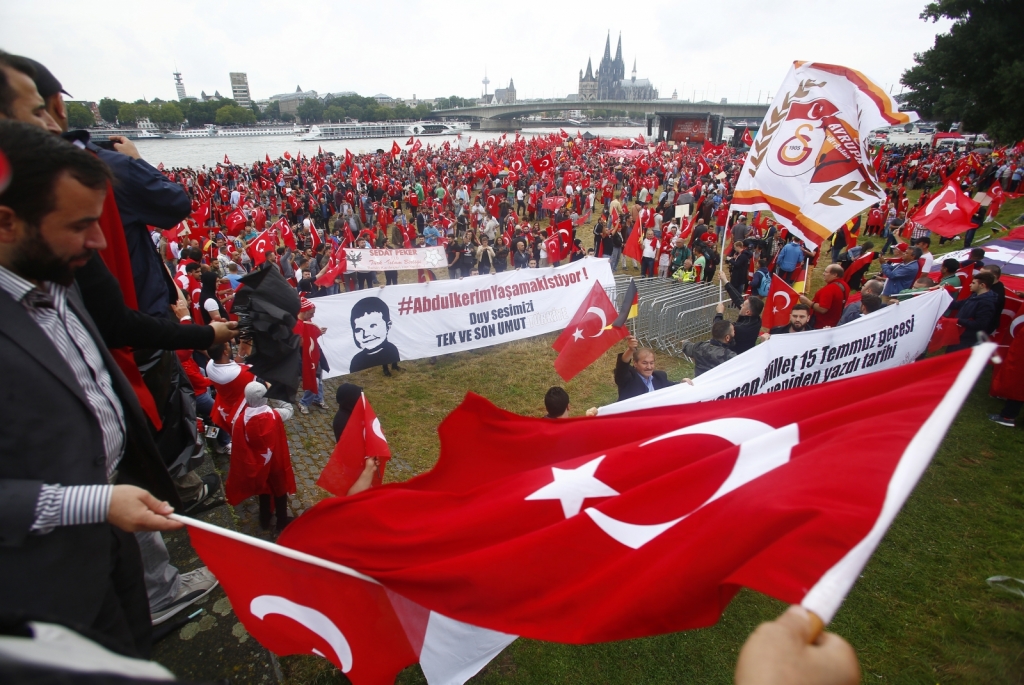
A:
(739, 55)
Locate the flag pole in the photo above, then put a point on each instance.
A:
(807, 275)
(271, 547)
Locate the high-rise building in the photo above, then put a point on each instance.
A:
(179, 85)
(240, 89)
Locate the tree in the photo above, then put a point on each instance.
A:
(233, 114)
(80, 116)
(334, 113)
(972, 74)
(311, 110)
(108, 109)
(168, 114)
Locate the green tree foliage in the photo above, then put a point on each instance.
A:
(973, 74)
(79, 116)
(202, 113)
(453, 101)
(167, 114)
(129, 114)
(311, 111)
(108, 109)
(233, 114)
(271, 113)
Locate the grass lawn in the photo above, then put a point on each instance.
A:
(921, 613)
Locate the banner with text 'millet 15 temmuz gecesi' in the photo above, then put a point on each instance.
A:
(377, 326)
(892, 336)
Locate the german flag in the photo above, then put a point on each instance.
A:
(629, 306)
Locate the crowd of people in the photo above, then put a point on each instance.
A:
(118, 280)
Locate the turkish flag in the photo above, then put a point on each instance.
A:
(287, 155)
(258, 248)
(417, 145)
(285, 231)
(947, 332)
(747, 139)
(518, 164)
(409, 142)
(362, 438)
(562, 134)
(395, 150)
(235, 221)
(1011, 306)
(226, 160)
(267, 157)
(948, 213)
(634, 243)
(778, 304)
(336, 266)
(966, 275)
(542, 164)
(348, 158)
(703, 168)
(259, 219)
(571, 530)
(553, 202)
(597, 308)
(294, 607)
(1008, 377)
(201, 213)
(553, 246)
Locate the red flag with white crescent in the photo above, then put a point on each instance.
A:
(948, 213)
(571, 530)
(778, 304)
(259, 246)
(362, 438)
(395, 150)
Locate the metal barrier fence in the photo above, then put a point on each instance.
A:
(669, 312)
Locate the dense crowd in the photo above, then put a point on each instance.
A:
(118, 281)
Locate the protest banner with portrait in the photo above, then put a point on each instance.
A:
(890, 337)
(378, 326)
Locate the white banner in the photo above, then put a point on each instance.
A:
(892, 336)
(809, 164)
(396, 260)
(378, 326)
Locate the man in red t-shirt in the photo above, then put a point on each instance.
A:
(829, 301)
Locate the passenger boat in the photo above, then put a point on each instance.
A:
(383, 129)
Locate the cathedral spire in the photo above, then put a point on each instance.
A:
(618, 50)
(634, 68)
(608, 45)
(590, 73)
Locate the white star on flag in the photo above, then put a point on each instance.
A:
(572, 486)
(950, 207)
(266, 456)
(578, 335)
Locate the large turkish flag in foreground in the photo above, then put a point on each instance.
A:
(648, 522)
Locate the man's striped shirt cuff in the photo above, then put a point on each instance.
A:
(71, 505)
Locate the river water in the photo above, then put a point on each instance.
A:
(196, 152)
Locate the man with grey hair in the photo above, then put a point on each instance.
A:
(852, 310)
(901, 276)
(828, 302)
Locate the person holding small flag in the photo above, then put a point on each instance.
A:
(635, 372)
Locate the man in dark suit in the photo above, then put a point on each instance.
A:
(638, 377)
(79, 471)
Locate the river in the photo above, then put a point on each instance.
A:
(196, 152)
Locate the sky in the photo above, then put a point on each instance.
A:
(739, 50)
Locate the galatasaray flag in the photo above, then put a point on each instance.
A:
(778, 304)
